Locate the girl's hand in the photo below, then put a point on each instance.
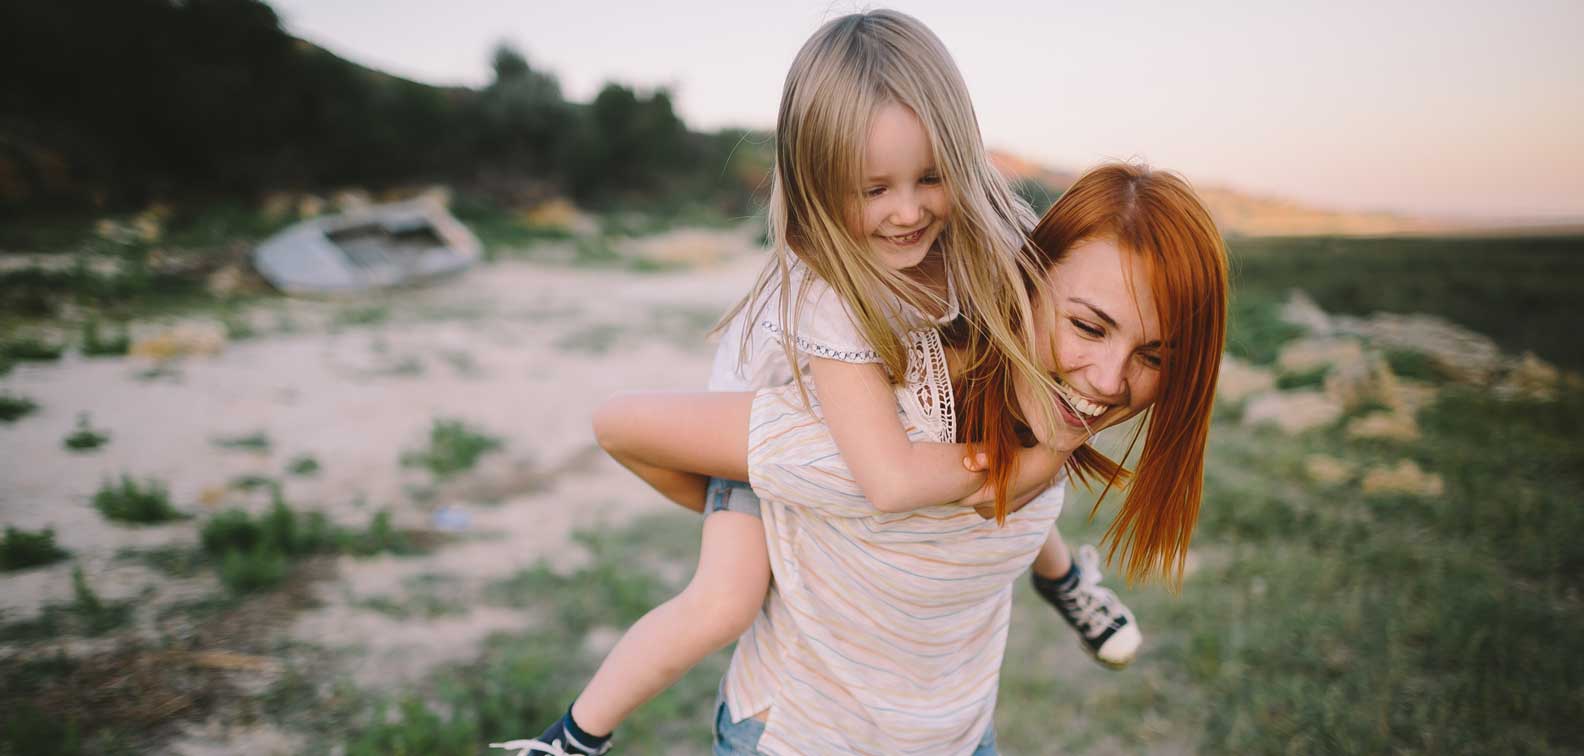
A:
(983, 500)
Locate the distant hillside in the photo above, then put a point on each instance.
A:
(1243, 214)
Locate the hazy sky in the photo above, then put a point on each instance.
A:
(1442, 108)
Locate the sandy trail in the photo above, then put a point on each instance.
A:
(521, 351)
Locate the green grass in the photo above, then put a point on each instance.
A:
(1305, 379)
(14, 408)
(128, 501)
(453, 449)
(255, 553)
(303, 465)
(523, 681)
(21, 549)
(87, 616)
(94, 342)
(1523, 292)
(30, 349)
(257, 442)
(84, 437)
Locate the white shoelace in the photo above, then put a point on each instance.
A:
(554, 747)
(1091, 603)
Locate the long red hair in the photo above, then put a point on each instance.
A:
(1156, 215)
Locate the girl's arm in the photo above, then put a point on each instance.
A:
(896, 474)
(675, 442)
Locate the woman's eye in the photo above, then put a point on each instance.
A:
(1151, 359)
(1088, 329)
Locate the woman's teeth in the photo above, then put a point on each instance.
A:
(1079, 403)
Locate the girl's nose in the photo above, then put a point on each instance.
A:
(908, 210)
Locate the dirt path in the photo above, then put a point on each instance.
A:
(519, 351)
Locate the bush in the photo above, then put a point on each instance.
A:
(21, 549)
(130, 502)
(13, 408)
(31, 349)
(85, 438)
(95, 344)
(453, 448)
(256, 552)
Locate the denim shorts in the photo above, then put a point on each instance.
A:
(742, 738)
(730, 496)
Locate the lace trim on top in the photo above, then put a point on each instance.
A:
(929, 402)
(821, 350)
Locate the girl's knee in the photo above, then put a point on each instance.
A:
(725, 607)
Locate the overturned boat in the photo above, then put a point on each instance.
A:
(377, 247)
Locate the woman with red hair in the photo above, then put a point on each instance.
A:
(884, 631)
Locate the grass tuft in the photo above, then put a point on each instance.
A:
(21, 549)
(129, 501)
(453, 448)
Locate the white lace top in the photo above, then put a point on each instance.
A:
(824, 329)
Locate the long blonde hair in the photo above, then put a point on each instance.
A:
(846, 72)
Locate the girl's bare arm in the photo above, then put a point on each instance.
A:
(896, 474)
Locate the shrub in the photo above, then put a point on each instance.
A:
(130, 502)
(31, 349)
(96, 344)
(453, 448)
(13, 408)
(85, 438)
(21, 549)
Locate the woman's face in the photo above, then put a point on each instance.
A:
(1098, 335)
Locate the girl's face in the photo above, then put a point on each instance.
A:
(1099, 336)
(902, 203)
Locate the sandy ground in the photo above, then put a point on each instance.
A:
(518, 350)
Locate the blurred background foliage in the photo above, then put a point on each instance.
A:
(115, 104)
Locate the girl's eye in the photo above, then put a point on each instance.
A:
(874, 191)
(1086, 328)
(930, 180)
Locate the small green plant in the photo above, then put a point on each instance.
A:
(85, 438)
(453, 448)
(1312, 378)
(93, 615)
(257, 442)
(303, 465)
(95, 343)
(256, 569)
(255, 553)
(128, 501)
(1416, 365)
(237, 327)
(252, 482)
(31, 349)
(362, 316)
(22, 549)
(13, 408)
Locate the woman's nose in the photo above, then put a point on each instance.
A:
(1108, 375)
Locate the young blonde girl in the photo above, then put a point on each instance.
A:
(885, 218)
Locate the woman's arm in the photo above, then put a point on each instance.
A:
(896, 474)
(676, 441)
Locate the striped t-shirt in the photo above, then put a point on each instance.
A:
(883, 633)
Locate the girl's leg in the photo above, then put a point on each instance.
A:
(718, 605)
(1105, 625)
(675, 441)
(1053, 560)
